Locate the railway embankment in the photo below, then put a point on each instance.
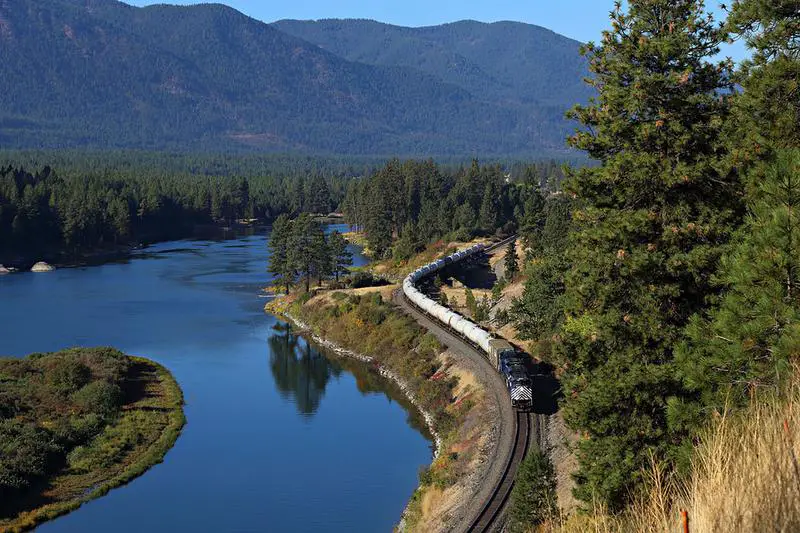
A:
(464, 408)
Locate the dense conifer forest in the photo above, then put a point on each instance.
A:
(98, 203)
(663, 282)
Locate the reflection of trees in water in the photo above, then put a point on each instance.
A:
(300, 371)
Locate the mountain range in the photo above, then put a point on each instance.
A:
(103, 74)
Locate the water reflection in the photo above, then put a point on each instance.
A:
(300, 371)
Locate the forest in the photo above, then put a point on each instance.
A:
(663, 282)
(92, 206)
(62, 205)
(406, 205)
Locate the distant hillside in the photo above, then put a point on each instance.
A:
(100, 73)
(498, 61)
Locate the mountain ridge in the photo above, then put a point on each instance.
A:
(104, 74)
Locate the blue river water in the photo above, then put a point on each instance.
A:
(280, 436)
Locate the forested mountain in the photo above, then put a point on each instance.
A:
(502, 61)
(100, 73)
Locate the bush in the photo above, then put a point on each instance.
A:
(66, 374)
(533, 499)
(359, 280)
(100, 397)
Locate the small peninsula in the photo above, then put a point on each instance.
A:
(77, 423)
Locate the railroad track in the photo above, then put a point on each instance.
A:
(492, 510)
(499, 244)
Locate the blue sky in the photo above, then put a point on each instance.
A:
(580, 19)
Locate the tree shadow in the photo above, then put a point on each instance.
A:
(546, 389)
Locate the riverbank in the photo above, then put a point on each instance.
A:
(363, 325)
(149, 420)
(118, 252)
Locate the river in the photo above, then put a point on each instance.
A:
(280, 436)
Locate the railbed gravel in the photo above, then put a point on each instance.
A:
(500, 436)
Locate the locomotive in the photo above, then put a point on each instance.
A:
(499, 352)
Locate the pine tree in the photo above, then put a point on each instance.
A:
(340, 256)
(280, 265)
(510, 262)
(302, 254)
(652, 222)
(489, 213)
(533, 499)
(767, 113)
(470, 303)
(532, 219)
(750, 341)
(747, 343)
(322, 264)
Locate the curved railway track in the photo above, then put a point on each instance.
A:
(487, 518)
(492, 510)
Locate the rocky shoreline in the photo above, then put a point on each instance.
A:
(382, 370)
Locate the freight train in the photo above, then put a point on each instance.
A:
(498, 351)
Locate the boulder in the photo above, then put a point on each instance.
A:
(41, 266)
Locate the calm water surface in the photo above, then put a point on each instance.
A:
(279, 437)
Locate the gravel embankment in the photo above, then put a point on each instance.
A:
(501, 439)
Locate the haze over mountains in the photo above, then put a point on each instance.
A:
(102, 74)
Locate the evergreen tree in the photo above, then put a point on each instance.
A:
(280, 243)
(532, 219)
(533, 498)
(408, 244)
(470, 303)
(510, 261)
(302, 253)
(489, 213)
(341, 258)
(322, 261)
(767, 113)
(751, 340)
(652, 222)
(540, 311)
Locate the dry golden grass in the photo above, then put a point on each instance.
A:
(746, 477)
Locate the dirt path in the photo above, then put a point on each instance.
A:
(502, 437)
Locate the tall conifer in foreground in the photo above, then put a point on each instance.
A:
(649, 229)
(750, 341)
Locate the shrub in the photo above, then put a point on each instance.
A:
(100, 397)
(533, 499)
(66, 374)
(359, 280)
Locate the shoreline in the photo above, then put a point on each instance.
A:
(470, 447)
(99, 256)
(388, 374)
(125, 472)
(382, 370)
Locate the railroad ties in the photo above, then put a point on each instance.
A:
(487, 519)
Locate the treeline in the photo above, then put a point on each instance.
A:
(406, 205)
(46, 215)
(300, 250)
(664, 282)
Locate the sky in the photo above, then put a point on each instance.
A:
(579, 19)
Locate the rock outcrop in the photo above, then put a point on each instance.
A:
(41, 266)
